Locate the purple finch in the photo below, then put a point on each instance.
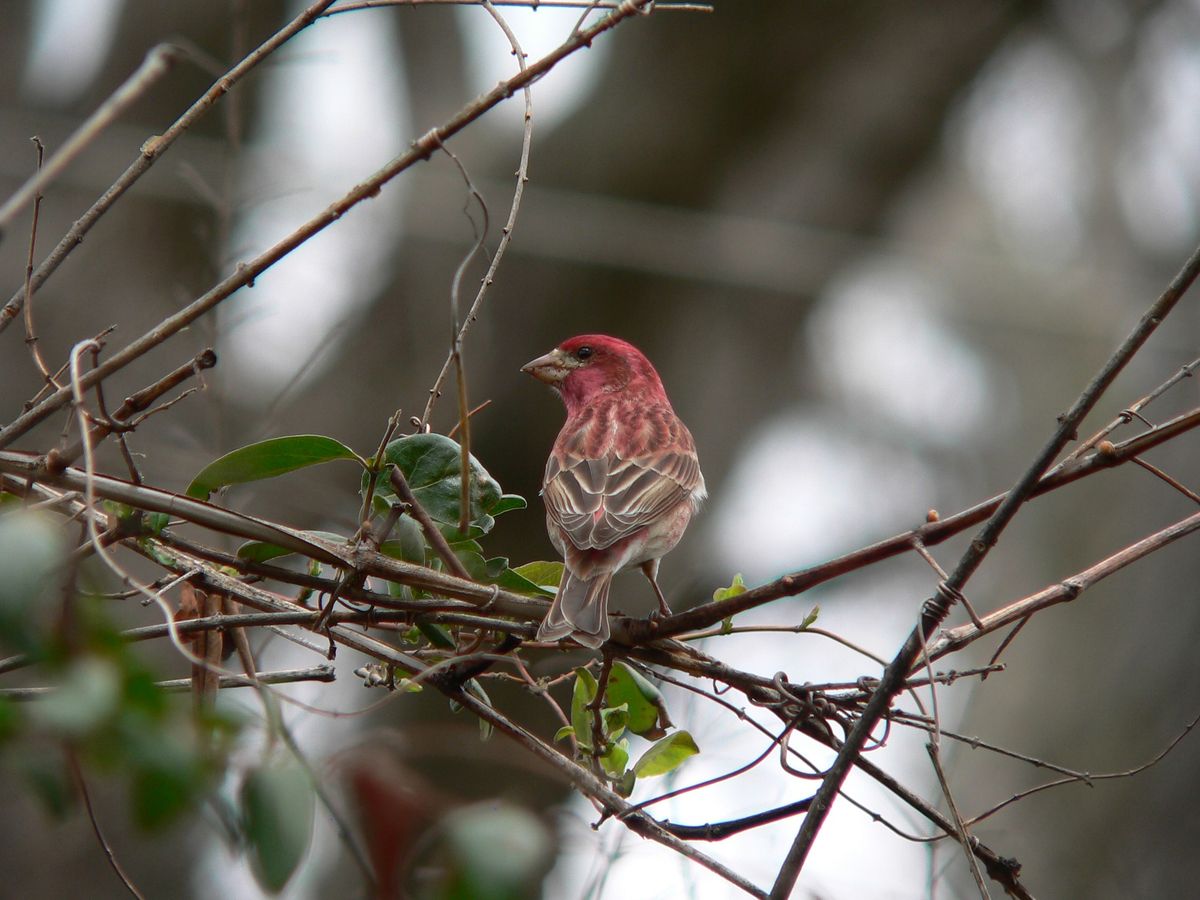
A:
(622, 481)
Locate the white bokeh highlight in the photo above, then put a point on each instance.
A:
(1022, 134)
(334, 111)
(71, 39)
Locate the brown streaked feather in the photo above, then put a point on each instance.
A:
(598, 498)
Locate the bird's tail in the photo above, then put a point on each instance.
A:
(579, 610)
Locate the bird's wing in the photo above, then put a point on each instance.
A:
(599, 501)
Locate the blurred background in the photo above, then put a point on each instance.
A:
(873, 249)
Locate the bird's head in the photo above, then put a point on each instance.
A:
(589, 365)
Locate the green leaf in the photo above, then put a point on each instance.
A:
(407, 542)
(507, 503)
(624, 784)
(616, 759)
(666, 755)
(261, 551)
(277, 817)
(519, 584)
(737, 586)
(157, 552)
(155, 522)
(437, 635)
(432, 466)
(646, 705)
(811, 617)
(563, 733)
(614, 720)
(581, 717)
(475, 689)
(546, 574)
(267, 459)
(496, 571)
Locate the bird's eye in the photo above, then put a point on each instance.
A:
(583, 353)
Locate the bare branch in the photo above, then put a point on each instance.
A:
(153, 149)
(937, 608)
(245, 273)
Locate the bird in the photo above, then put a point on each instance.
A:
(621, 484)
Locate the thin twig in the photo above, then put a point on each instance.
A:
(157, 63)
(505, 232)
(1065, 591)
(31, 338)
(58, 459)
(1159, 473)
(181, 685)
(464, 420)
(1134, 410)
(81, 785)
(153, 149)
(663, 5)
(433, 534)
(710, 613)
(245, 273)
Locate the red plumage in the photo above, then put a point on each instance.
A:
(622, 481)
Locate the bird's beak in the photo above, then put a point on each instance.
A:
(551, 368)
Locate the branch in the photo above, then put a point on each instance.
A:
(710, 613)
(155, 148)
(179, 685)
(432, 533)
(956, 638)
(936, 609)
(245, 273)
(156, 64)
(57, 460)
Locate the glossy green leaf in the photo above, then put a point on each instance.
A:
(496, 571)
(508, 503)
(616, 759)
(518, 584)
(155, 522)
(267, 459)
(624, 785)
(581, 717)
(666, 754)
(646, 705)
(614, 720)
(432, 466)
(407, 542)
(437, 635)
(737, 586)
(277, 817)
(261, 551)
(546, 574)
